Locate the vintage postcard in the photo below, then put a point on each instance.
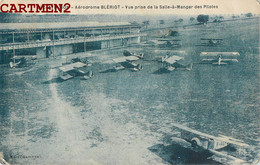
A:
(117, 82)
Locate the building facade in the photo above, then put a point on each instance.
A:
(54, 39)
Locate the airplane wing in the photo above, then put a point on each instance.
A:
(157, 42)
(236, 160)
(126, 58)
(66, 77)
(211, 39)
(151, 42)
(72, 66)
(209, 60)
(132, 58)
(168, 40)
(216, 54)
(119, 60)
(226, 60)
(83, 71)
(204, 135)
(173, 59)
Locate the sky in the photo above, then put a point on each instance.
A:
(223, 6)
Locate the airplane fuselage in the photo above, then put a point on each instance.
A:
(219, 60)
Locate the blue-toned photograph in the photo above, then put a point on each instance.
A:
(118, 89)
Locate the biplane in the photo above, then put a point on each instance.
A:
(127, 62)
(202, 141)
(75, 69)
(163, 43)
(219, 58)
(127, 53)
(154, 43)
(174, 62)
(82, 59)
(21, 61)
(171, 43)
(210, 41)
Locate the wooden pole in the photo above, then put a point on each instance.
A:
(28, 37)
(84, 41)
(13, 49)
(53, 44)
(13, 37)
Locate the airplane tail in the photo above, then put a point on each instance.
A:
(13, 65)
(189, 67)
(141, 55)
(90, 74)
(139, 67)
(164, 58)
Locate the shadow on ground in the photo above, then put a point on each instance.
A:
(177, 154)
(54, 80)
(108, 71)
(161, 71)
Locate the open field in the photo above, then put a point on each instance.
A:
(126, 117)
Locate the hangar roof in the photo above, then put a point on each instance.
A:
(47, 26)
